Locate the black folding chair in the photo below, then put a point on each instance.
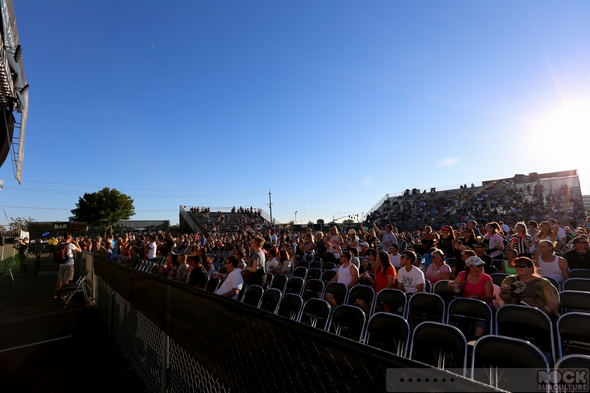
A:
(441, 288)
(362, 292)
(394, 299)
(389, 332)
(439, 345)
(425, 306)
(316, 313)
(527, 323)
(270, 300)
(253, 295)
(290, 306)
(294, 285)
(507, 363)
(574, 301)
(348, 321)
(338, 290)
(313, 288)
(313, 274)
(580, 273)
(573, 334)
(464, 313)
(71, 289)
(279, 282)
(576, 284)
(497, 278)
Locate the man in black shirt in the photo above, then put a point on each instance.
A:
(480, 250)
(579, 257)
(197, 275)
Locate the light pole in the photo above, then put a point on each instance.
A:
(335, 216)
(295, 222)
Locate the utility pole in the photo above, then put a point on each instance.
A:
(270, 207)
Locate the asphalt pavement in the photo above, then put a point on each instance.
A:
(46, 348)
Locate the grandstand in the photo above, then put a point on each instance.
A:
(204, 220)
(521, 197)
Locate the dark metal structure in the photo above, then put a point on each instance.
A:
(14, 96)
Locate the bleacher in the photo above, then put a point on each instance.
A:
(536, 196)
(205, 222)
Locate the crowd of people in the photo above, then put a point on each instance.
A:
(379, 257)
(506, 201)
(237, 220)
(536, 258)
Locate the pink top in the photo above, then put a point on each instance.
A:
(478, 289)
(431, 274)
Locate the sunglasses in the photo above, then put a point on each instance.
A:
(405, 257)
(522, 265)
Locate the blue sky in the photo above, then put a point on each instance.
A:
(329, 105)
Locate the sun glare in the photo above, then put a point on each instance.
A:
(569, 121)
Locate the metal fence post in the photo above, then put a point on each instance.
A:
(166, 344)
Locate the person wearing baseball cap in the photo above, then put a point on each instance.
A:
(475, 284)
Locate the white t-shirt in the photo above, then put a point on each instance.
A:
(234, 280)
(152, 248)
(395, 259)
(70, 254)
(273, 263)
(410, 279)
(561, 234)
(388, 240)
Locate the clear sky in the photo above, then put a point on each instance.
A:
(328, 104)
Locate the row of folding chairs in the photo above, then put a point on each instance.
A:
(313, 273)
(145, 266)
(504, 362)
(317, 265)
(516, 321)
(442, 345)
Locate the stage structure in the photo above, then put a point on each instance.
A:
(14, 96)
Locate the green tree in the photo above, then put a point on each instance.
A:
(104, 208)
(348, 221)
(19, 223)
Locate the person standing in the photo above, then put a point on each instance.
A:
(256, 264)
(66, 269)
(152, 248)
(23, 246)
(388, 237)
